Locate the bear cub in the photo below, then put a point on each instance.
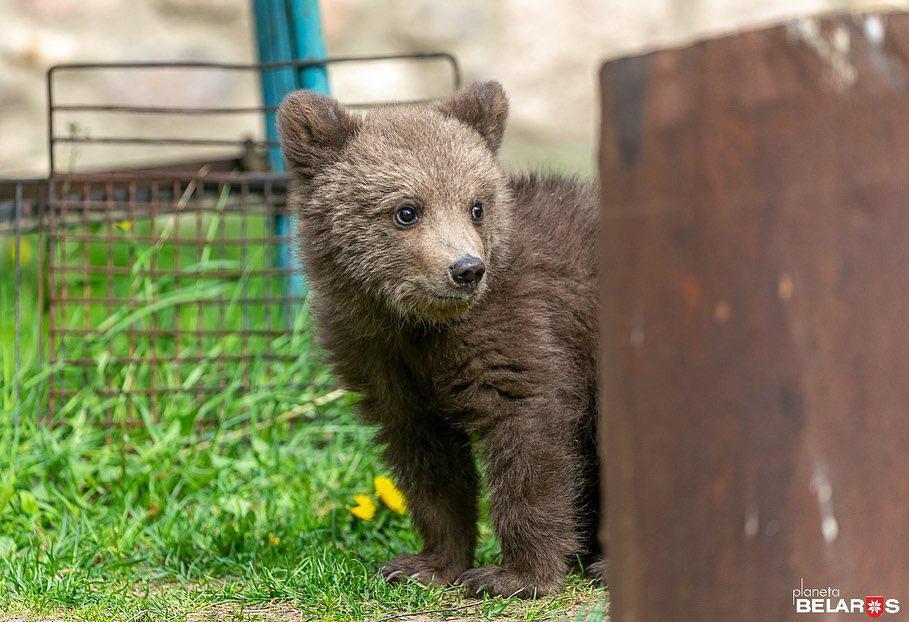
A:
(461, 302)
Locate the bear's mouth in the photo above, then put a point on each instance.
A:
(449, 305)
(453, 298)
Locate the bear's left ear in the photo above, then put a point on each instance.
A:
(313, 130)
(482, 106)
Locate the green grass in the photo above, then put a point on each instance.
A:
(232, 508)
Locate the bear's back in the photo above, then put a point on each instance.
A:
(555, 225)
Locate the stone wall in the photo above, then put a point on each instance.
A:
(546, 54)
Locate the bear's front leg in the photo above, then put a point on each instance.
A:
(435, 469)
(532, 471)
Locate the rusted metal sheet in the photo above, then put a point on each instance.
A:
(755, 322)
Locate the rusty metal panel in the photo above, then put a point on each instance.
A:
(755, 321)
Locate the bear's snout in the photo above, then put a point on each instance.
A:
(467, 271)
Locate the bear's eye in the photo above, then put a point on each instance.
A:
(476, 212)
(407, 215)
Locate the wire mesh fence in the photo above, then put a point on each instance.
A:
(164, 292)
(175, 295)
(22, 206)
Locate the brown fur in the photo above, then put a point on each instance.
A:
(507, 370)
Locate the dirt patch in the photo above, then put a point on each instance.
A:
(590, 611)
(585, 610)
(232, 612)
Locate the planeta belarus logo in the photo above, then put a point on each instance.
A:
(874, 606)
(829, 599)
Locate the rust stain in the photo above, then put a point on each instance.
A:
(691, 293)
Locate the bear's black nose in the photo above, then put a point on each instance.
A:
(467, 270)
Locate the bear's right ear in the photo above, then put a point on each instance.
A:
(313, 129)
(482, 106)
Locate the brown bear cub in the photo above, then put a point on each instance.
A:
(462, 304)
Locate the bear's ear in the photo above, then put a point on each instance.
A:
(313, 129)
(482, 106)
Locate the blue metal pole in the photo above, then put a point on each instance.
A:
(288, 30)
(274, 39)
(308, 43)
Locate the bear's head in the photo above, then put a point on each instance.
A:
(406, 207)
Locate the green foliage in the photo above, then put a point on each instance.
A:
(110, 513)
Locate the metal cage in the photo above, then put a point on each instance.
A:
(165, 286)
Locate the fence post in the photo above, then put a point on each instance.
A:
(288, 30)
(308, 43)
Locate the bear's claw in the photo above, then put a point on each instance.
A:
(424, 569)
(598, 571)
(501, 581)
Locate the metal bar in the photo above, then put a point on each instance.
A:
(265, 66)
(269, 227)
(63, 299)
(177, 242)
(43, 251)
(274, 39)
(109, 280)
(176, 389)
(200, 242)
(120, 208)
(145, 360)
(155, 333)
(17, 301)
(307, 42)
(184, 176)
(222, 249)
(753, 340)
(49, 94)
(150, 391)
(86, 285)
(244, 250)
(108, 270)
(177, 110)
(197, 274)
(185, 110)
(79, 237)
(273, 24)
(50, 293)
(177, 332)
(131, 328)
(196, 142)
(306, 37)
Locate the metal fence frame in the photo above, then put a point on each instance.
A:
(82, 209)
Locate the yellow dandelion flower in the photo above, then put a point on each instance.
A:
(124, 225)
(273, 540)
(365, 507)
(389, 494)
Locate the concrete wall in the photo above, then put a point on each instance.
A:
(546, 54)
